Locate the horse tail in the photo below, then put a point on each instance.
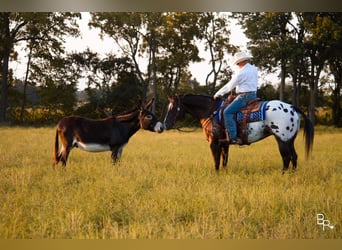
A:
(55, 151)
(308, 133)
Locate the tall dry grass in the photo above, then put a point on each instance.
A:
(165, 187)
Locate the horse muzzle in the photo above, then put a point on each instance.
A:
(168, 126)
(159, 127)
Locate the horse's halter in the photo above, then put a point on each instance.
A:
(178, 107)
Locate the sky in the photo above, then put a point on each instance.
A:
(90, 39)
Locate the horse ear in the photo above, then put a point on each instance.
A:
(171, 98)
(149, 103)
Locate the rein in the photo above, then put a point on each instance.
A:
(186, 131)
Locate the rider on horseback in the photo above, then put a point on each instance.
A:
(245, 81)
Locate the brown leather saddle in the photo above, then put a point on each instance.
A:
(253, 105)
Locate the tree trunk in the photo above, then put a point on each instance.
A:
(282, 82)
(25, 86)
(154, 70)
(314, 74)
(336, 102)
(312, 107)
(6, 48)
(295, 89)
(4, 85)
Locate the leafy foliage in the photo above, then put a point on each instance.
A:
(154, 54)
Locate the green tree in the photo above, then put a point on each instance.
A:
(127, 31)
(301, 44)
(163, 43)
(331, 29)
(215, 34)
(269, 35)
(178, 48)
(42, 33)
(112, 82)
(320, 40)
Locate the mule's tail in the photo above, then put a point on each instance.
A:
(55, 151)
(308, 133)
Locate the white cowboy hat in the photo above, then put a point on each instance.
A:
(240, 57)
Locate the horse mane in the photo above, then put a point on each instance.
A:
(196, 95)
(202, 103)
(198, 100)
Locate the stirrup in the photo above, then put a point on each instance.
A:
(236, 141)
(233, 141)
(226, 139)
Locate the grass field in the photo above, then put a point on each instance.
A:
(165, 187)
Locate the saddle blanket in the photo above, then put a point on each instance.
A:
(256, 116)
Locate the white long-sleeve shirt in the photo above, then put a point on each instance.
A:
(245, 80)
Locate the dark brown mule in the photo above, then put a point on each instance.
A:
(280, 119)
(109, 134)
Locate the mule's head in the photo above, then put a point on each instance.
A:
(175, 112)
(148, 120)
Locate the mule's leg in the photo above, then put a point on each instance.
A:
(224, 154)
(65, 154)
(67, 145)
(61, 156)
(285, 151)
(215, 151)
(58, 158)
(116, 152)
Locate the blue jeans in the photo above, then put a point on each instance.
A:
(239, 102)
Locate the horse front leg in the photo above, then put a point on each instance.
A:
(215, 151)
(225, 154)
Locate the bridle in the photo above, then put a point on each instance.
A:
(178, 107)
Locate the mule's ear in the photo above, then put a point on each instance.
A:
(149, 103)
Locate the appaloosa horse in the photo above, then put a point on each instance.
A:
(109, 134)
(272, 118)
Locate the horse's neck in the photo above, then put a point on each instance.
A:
(199, 108)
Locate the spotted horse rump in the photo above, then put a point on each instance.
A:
(273, 118)
(282, 119)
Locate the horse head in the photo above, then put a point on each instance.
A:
(175, 111)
